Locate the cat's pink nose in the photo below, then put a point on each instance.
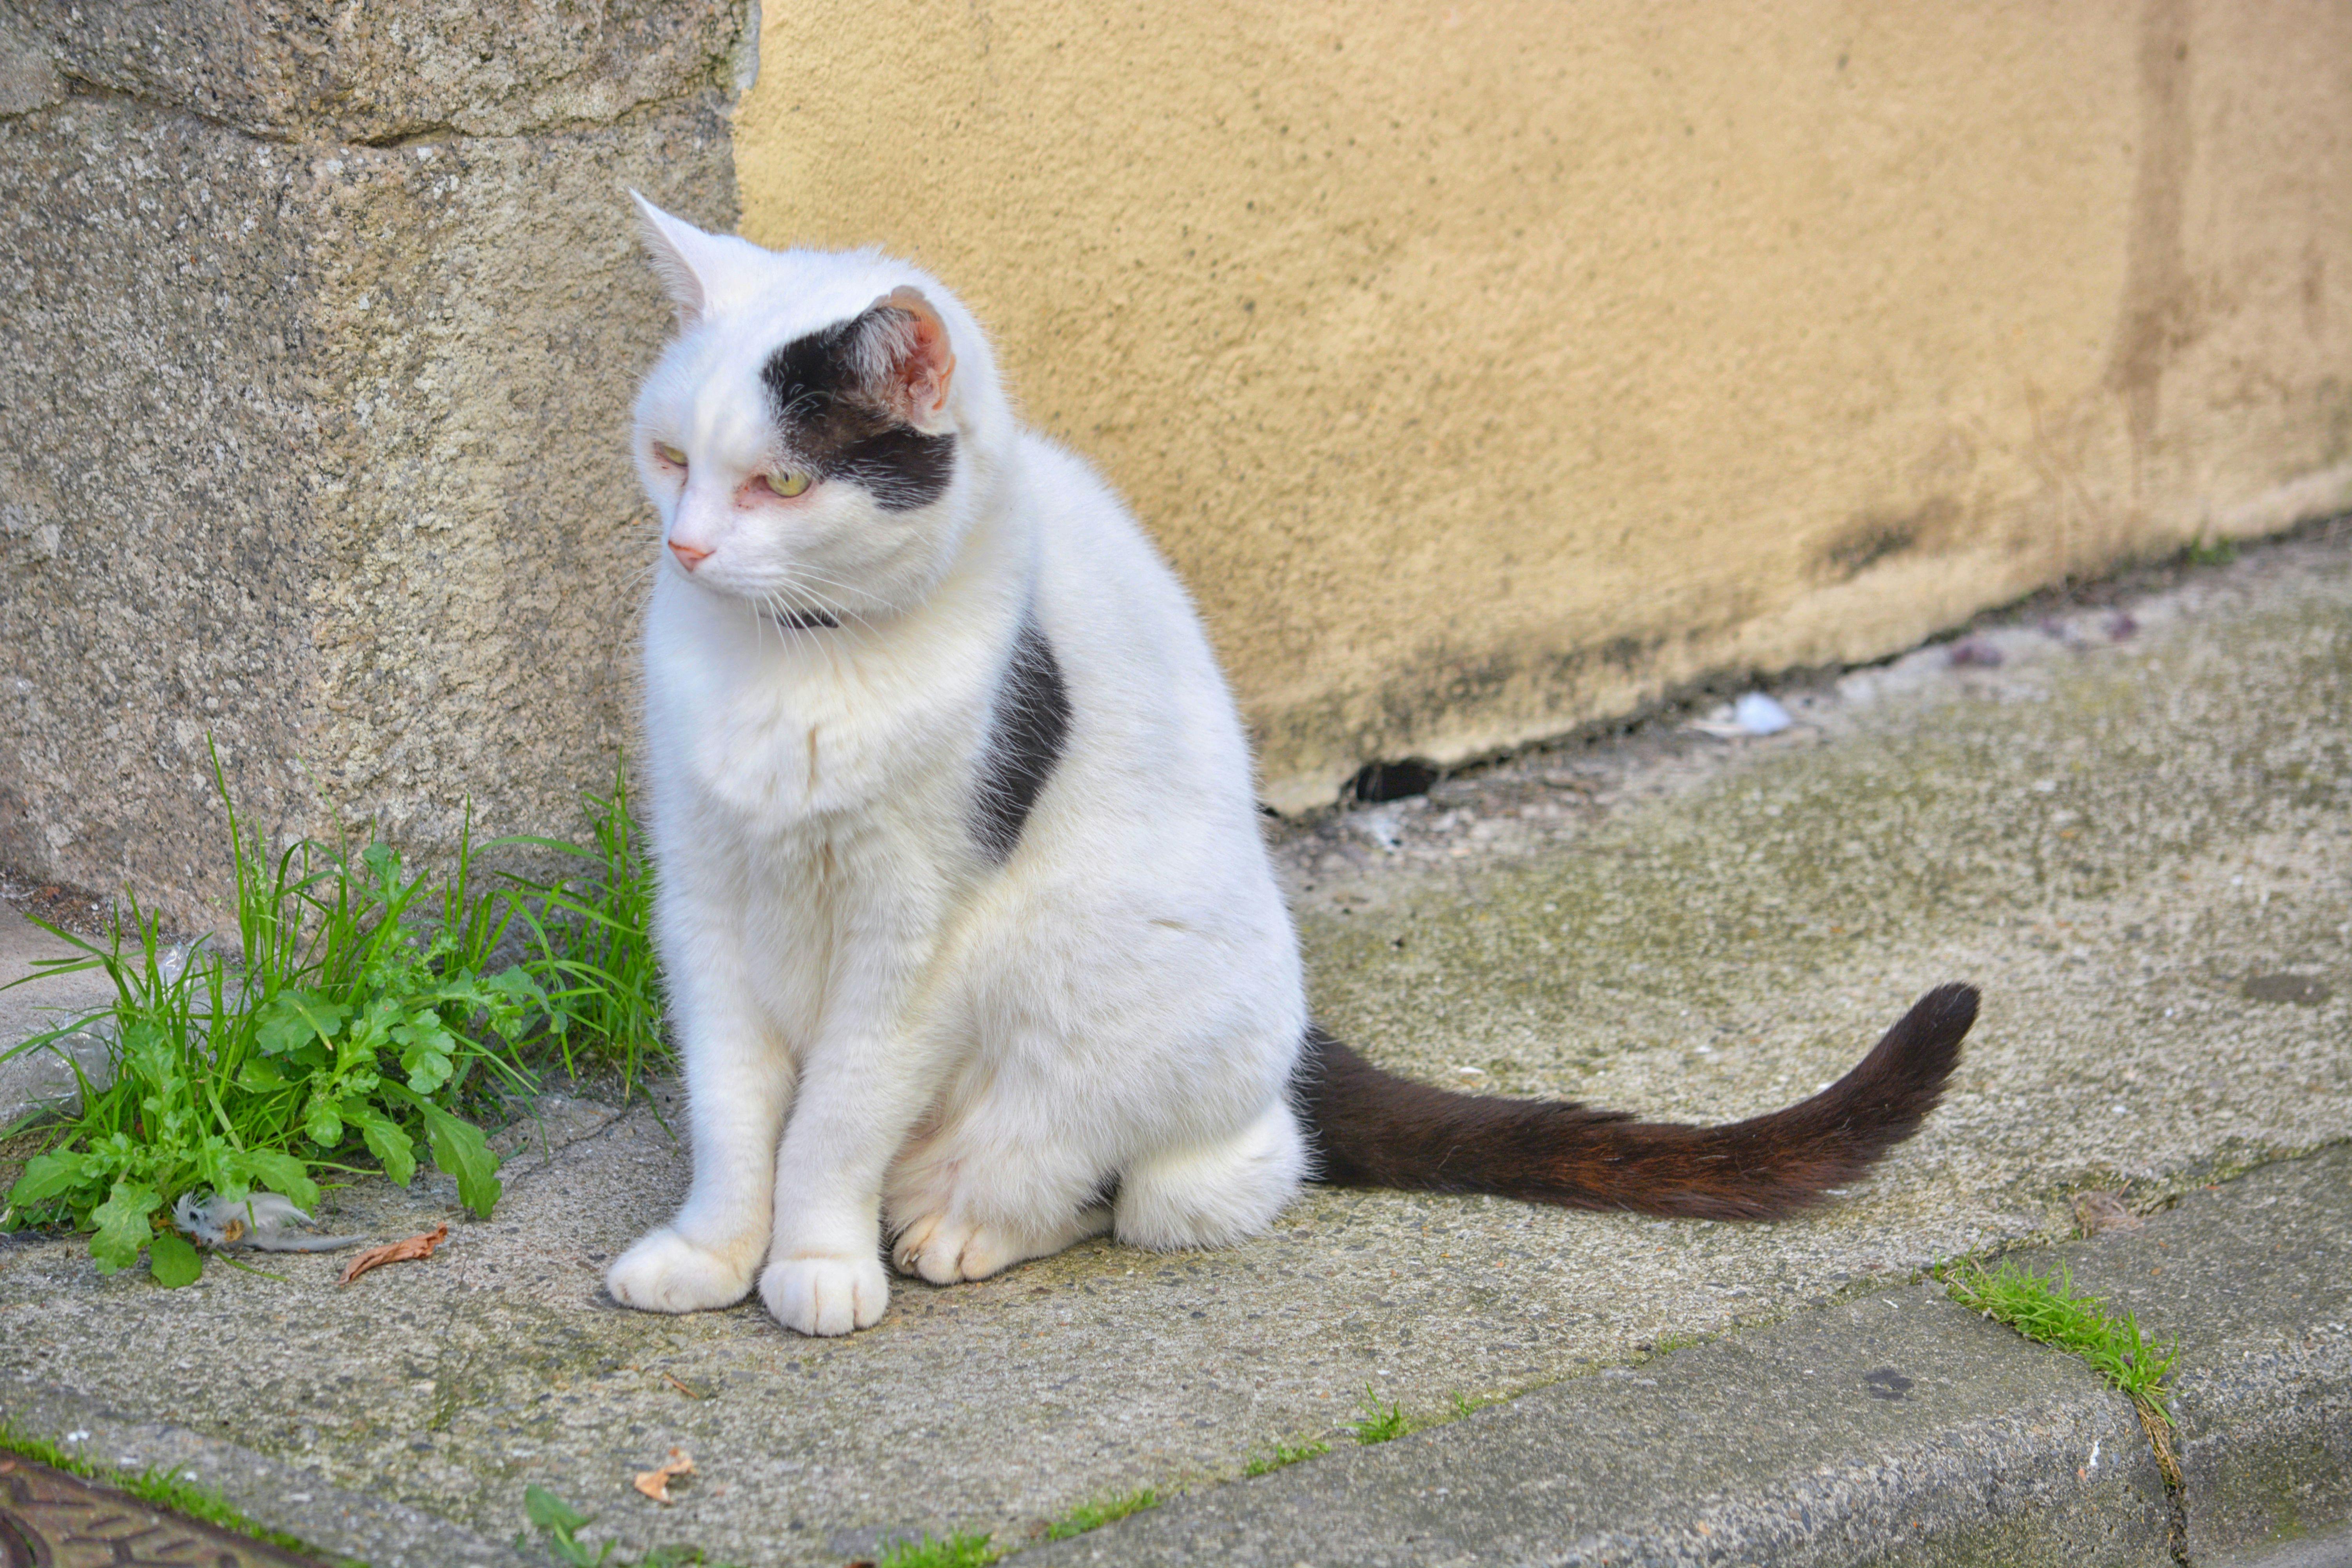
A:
(687, 555)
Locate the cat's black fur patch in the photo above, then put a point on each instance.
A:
(1025, 737)
(842, 429)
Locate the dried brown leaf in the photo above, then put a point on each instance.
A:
(654, 1483)
(396, 1252)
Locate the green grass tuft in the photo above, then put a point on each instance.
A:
(1285, 1454)
(1470, 1403)
(2048, 1310)
(950, 1551)
(1380, 1423)
(163, 1488)
(1095, 1515)
(592, 942)
(366, 1018)
(360, 1018)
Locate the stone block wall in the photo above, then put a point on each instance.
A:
(322, 325)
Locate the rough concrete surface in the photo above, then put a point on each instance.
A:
(290, 401)
(376, 73)
(1896, 1429)
(2332, 1549)
(2127, 832)
(382, 1533)
(2254, 1282)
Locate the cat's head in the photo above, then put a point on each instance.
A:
(817, 436)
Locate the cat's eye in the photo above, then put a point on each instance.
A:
(669, 454)
(790, 482)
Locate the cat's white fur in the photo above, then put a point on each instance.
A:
(885, 1034)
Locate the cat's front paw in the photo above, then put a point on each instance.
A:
(664, 1272)
(825, 1295)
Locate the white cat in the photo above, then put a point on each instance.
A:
(970, 937)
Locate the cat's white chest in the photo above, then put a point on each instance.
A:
(756, 742)
(771, 751)
(758, 755)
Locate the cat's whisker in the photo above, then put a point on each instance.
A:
(835, 608)
(839, 613)
(758, 613)
(820, 605)
(827, 645)
(791, 637)
(809, 570)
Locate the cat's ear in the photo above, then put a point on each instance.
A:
(906, 359)
(682, 256)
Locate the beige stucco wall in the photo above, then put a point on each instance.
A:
(1488, 368)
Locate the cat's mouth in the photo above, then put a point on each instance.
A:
(802, 620)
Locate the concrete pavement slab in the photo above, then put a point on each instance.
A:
(1821, 1441)
(2330, 1550)
(2254, 1282)
(1896, 1429)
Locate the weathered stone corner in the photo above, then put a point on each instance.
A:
(323, 326)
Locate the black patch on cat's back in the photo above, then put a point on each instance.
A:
(842, 428)
(1025, 737)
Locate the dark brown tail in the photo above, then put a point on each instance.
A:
(1373, 1129)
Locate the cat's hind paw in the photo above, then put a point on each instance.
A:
(944, 1250)
(664, 1272)
(825, 1295)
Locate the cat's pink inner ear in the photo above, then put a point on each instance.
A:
(670, 244)
(921, 368)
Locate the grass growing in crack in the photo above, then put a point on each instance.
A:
(947, 1552)
(163, 1487)
(593, 945)
(558, 1523)
(1285, 1454)
(1380, 1423)
(2048, 1310)
(1095, 1515)
(364, 1013)
(1470, 1403)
